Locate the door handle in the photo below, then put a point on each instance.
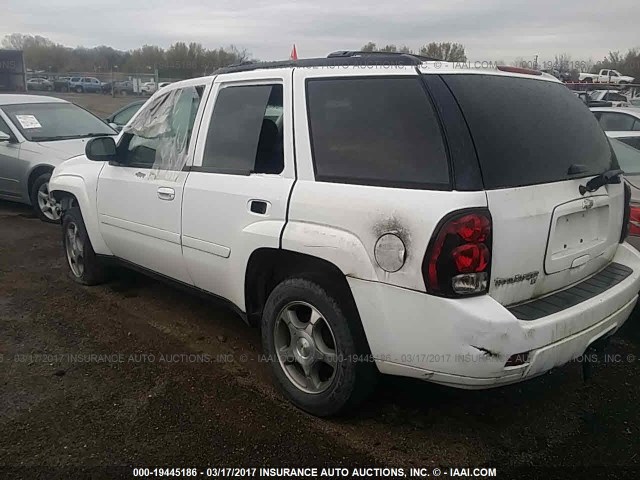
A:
(258, 206)
(166, 193)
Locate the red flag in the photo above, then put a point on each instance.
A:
(294, 53)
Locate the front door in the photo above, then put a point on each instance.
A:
(10, 167)
(140, 197)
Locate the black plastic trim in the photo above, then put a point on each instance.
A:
(463, 159)
(224, 302)
(599, 283)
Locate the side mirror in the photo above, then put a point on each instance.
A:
(5, 137)
(101, 149)
(115, 126)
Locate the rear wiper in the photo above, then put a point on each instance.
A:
(605, 178)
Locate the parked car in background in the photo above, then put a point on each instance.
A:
(626, 146)
(124, 87)
(37, 133)
(614, 119)
(605, 76)
(61, 84)
(39, 84)
(586, 99)
(616, 98)
(403, 220)
(120, 118)
(85, 85)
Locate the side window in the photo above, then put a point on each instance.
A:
(376, 131)
(4, 128)
(612, 122)
(159, 136)
(245, 134)
(124, 116)
(615, 97)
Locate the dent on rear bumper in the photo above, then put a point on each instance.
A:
(466, 342)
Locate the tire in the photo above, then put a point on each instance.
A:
(623, 82)
(84, 267)
(124, 93)
(334, 336)
(45, 208)
(78, 89)
(588, 80)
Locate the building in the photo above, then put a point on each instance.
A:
(12, 71)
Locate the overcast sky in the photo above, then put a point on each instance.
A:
(489, 29)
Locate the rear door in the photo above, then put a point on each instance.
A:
(534, 155)
(235, 198)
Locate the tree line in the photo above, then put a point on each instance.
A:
(180, 60)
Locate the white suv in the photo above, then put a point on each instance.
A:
(371, 214)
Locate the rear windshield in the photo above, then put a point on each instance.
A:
(529, 131)
(376, 131)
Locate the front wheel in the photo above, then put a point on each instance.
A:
(44, 205)
(84, 266)
(79, 89)
(314, 349)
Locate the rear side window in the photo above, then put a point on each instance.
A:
(376, 131)
(529, 131)
(617, 122)
(245, 133)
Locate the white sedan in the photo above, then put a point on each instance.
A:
(614, 119)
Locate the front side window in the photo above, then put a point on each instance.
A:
(245, 133)
(123, 117)
(159, 137)
(376, 131)
(616, 122)
(627, 154)
(4, 128)
(43, 122)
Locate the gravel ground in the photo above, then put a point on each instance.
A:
(175, 380)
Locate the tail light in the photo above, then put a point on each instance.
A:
(458, 259)
(631, 216)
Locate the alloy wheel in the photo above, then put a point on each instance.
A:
(47, 204)
(306, 347)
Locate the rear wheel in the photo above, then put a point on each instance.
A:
(313, 348)
(44, 205)
(84, 266)
(79, 89)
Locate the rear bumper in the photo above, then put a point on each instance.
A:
(466, 342)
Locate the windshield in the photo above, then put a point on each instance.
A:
(55, 121)
(628, 156)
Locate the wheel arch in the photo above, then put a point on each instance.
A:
(267, 267)
(35, 173)
(67, 187)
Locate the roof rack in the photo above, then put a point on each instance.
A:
(335, 59)
(360, 53)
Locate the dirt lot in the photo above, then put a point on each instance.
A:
(176, 381)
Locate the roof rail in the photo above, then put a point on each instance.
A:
(333, 60)
(360, 53)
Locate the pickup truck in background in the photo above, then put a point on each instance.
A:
(605, 76)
